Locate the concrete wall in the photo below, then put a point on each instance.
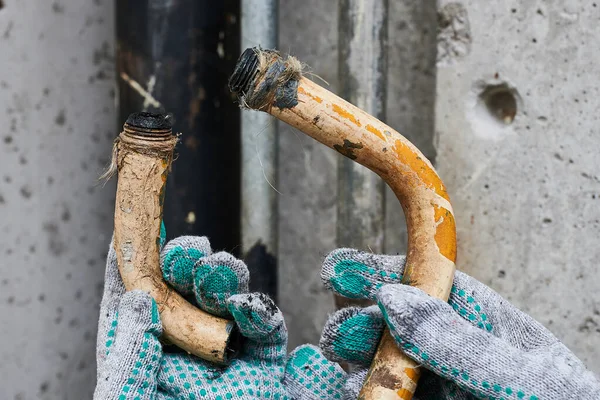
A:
(525, 193)
(57, 120)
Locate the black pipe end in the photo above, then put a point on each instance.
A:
(151, 121)
(245, 71)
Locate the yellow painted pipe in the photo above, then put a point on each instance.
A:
(266, 81)
(142, 158)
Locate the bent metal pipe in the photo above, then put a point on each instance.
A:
(142, 156)
(266, 81)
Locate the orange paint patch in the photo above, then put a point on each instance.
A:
(376, 131)
(405, 394)
(304, 92)
(445, 232)
(425, 173)
(412, 374)
(345, 114)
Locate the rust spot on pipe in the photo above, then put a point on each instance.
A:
(375, 131)
(347, 148)
(345, 114)
(304, 92)
(445, 232)
(408, 157)
(387, 379)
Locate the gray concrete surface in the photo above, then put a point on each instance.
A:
(58, 121)
(526, 194)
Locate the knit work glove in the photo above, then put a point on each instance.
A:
(475, 346)
(132, 363)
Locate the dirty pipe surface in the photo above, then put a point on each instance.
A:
(266, 81)
(142, 156)
(363, 77)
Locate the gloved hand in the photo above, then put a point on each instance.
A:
(133, 365)
(475, 346)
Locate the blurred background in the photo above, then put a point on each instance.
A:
(501, 96)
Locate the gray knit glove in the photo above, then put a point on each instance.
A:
(475, 346)
(133, 365)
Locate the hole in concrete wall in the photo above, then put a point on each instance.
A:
(500, 101)
(1, 4)
(492, 106)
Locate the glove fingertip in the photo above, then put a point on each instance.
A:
(255, 313)
(178, 258)
(359, 275)
(328, 269)
(352, 334)
(217, 278)
(344, 274)
(235, 266)
(331, 332)
(261, 322)
(199, 246)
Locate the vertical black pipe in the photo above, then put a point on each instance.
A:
(175, 56)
